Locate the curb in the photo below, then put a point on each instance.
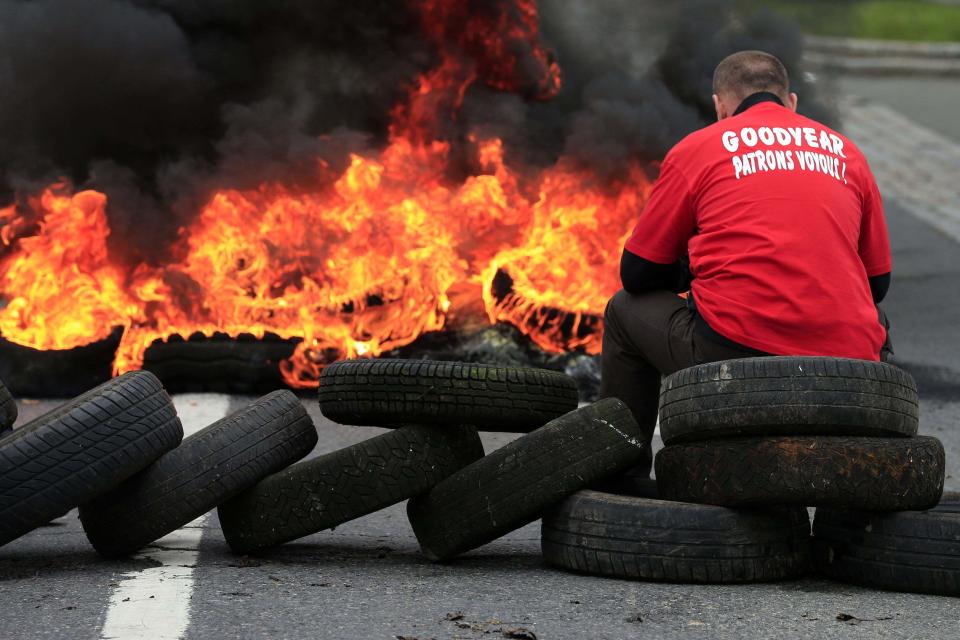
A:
(883, 58)
(856, 47)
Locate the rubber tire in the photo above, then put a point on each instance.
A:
(197, 363)
(917, 551)
(788, 396)
(878, 474)
(398, 392)
(515, 484)
(82, 449)
(211, 466)
(8, 409)
(344, 485)
(643, 539)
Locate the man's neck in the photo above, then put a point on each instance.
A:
(757, 98)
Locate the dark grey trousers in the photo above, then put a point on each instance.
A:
(649, 335)
(646, 336)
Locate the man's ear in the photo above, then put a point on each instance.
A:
(792, 102)
(718, 105)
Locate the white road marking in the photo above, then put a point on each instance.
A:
(155, 603)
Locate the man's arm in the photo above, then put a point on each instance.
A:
(874, 249)
(879, 285)
(655, 254)
(639, 274)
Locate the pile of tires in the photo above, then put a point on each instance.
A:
(117, 452)
(80, 450)
(749, 445)
(458, 498)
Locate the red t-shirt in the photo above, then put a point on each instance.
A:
(783, 222)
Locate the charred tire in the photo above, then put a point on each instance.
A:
(197, 363)
(344, 485)
(644, 539)
(397, 392)
(788, 396)
(878, 474)
(515, 484)
(915, 551)
(209, 467)
(8, 409)
(82, 449)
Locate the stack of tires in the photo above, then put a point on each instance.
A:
(117, 452)
(459, 498)
(749, 445)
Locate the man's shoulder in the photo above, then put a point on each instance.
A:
(807, 122)
(710, 139)
(690, 150)
(696, 141)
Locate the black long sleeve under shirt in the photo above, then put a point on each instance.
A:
(639, 274)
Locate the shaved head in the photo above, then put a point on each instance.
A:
(748, 72)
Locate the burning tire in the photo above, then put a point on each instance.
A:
(879, 474)
(82, 449)
(490, 398)
(209, 467)
(915, 551)
(788, 396)
(647, 539)
(344, 485)
(8, 409)
(515, 484)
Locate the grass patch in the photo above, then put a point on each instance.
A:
(916, 20)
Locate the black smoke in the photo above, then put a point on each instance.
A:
(642, 71)
(156, 102)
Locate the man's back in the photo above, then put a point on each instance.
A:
(783, 224)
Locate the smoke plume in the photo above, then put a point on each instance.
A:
(158, 102)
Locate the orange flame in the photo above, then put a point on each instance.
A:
(555, 285)
(352, 268)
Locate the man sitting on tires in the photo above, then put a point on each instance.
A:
(788, 248)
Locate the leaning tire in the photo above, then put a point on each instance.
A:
(916, 551)
(344, 485)
(82, 449)
(880, 474)
(515, 484)
(397, 392)
(644, 539)
(209, 467)
(8, 409)
(788, 396)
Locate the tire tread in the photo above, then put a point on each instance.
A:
(82, 449)
(492, 398)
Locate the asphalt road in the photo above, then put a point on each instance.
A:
(931, 102)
